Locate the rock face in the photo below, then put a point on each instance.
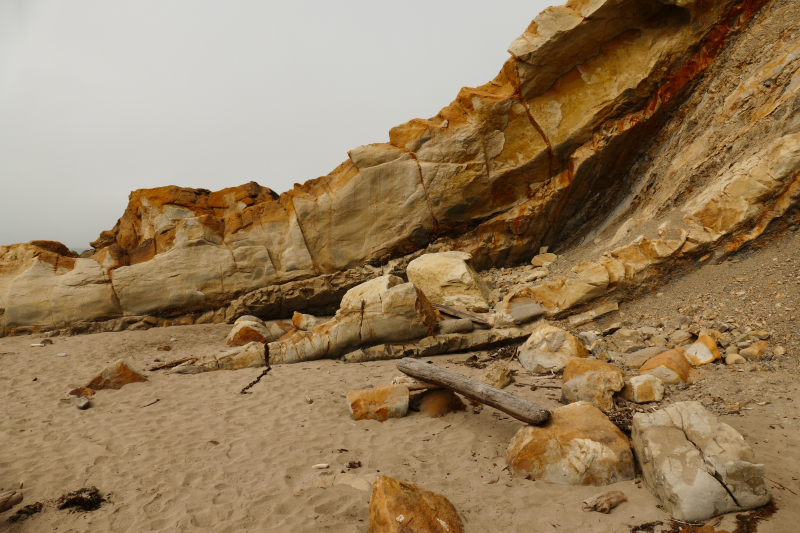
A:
(399, 507)
(115, 376)
(650, 105)
(380, 403)
(550, 349)
(397, 314)
(696, 466)
(578, 446)
(448, 279)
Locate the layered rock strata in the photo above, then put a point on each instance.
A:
(606, 112)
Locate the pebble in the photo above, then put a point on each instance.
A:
(82, 402)
(320, 466)
(62, 354)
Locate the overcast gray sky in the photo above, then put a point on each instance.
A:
(101, 97)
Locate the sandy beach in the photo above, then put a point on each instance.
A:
(205, 457)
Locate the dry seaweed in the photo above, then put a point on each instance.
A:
(26, 511)
(85, 499)
(748, 522)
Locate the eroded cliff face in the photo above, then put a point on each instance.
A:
(607, 110)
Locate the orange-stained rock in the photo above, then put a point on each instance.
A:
(115, 376)
(304, 322)
(670, 367)
(380, 403)
(82, 391)
(643, 389)
(399, 507)
(497, 375)
(579, 366)
(439, 402)
(578, 446)
(595, 387)
(251, 355)
(703, 351)
(550, 348)
(245, 332)
(756, 351)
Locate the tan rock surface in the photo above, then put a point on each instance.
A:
(244, 332)
(643, 389)
(670, 367)
(448, 279)
(579, 366)
(380, 403)
(550, 349)
(115, 376)
(596, 387)
(497, 375)
(399, 507)
(577, 446)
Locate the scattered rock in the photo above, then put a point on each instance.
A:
(696, 466)
(681, 337)
(115, 376)
(497, 375)
(670, 367)
(544, 260)
(380, 403)
(592, 381)
(732, 350)
(550, 349)
(399, 507)
(578, 446)
(245, 332)
(82, 402)
(703, 352)
(304, 322)
(636, 359)
(756, 351)
(521, 306)
(244, 318)
(439, 402)
(457, 325)
(643, 389)
(735, 359)
(447, 278)
(82, 391)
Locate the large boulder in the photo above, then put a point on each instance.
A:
(115, 376)
(447, 278)
(550, 349)
(578, 446)
(389, 315)
(376, 286)
(399, 507)
(245, 331)
(695, 465)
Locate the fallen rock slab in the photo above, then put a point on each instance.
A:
(399, 507)
(115, 376)
(670, 367)
(447, 278)
(754, 352)
(456, 325)
(643, 389)
(638, 358)
(550, 349)
(695, 465)
(703, 351)
(579, 445)
(521, 306)
(251, 355)
(380, 403)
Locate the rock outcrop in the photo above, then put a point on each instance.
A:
(606, 114)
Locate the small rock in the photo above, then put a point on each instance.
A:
(81, 402)
(115, 376)
(497, 375)
(577, 367)
(321, 466)
(735, 359)
(245, 332)
(309, 400)
(380, 403)
(670, 367)
(544, 259)
(635, 360)
(732, 350)
(439, 402)
(605, 501)
(304, 322)
(703, 352)
(587, 338)
(643, 389)
(537, 274)
(596, 388)
(550, 349)
(399, 507)
(756, 351)
(681, 337)
(62, 354)
(779, 350)
(352, 464)
(458, 325)
(578, 446)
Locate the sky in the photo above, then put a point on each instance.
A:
(102, 97)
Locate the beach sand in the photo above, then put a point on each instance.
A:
(205, 457)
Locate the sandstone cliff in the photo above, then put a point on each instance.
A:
(607, 111)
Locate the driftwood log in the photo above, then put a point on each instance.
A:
(605, 501)
(9, 499)
(519, 408)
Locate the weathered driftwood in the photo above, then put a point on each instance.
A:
(460, 314)
(9, 499)
(413, 384)
(605, 501)
(519, 408)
